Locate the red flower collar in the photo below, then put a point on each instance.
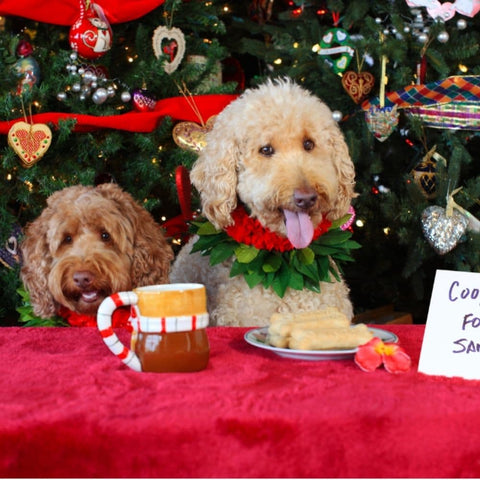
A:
(250, 231)
(120, 318)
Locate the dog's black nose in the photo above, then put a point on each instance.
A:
(304, 198)
(83, 279)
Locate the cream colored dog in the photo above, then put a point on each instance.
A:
(278, 151)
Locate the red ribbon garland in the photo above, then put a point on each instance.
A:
(65, 12)
(143, 122)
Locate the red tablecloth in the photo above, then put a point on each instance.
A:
(69, 408)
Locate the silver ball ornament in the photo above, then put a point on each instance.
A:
(61, 96)
(99, 96)
(337, 115)
(461, 24)
(76, 87)
(443, 37)
(87, 77)
(422, 38)
(126, 97)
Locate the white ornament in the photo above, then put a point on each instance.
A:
(126, 97)
(337, 115)
(174, 46)
(99, 96)
(443, 37)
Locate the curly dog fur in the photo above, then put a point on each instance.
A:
(275, 149)
(88, 243)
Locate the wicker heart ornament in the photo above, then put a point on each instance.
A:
(169, 42)
(192, 136)
(29, 141)
(358, 85)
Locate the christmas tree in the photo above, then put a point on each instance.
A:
(402, 80)
(401, 77)
(110, 108)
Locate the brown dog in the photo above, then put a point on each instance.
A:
(88, 243)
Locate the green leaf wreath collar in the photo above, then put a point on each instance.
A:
(264, 257)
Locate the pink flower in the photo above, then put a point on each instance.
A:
(371, 355)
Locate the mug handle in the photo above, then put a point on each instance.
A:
(104, 324)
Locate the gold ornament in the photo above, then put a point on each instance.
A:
(192, 136)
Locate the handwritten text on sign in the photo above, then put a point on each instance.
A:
(451, 345)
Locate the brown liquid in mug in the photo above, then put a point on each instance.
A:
(172, 352)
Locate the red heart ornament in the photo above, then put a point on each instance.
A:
(29, 141)
(358, 85)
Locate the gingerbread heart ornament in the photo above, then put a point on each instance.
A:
(192, 136)
(358, 85)
(29, 141)
(170, 42)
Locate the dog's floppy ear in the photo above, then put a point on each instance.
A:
(37, 262)
(152, 255)
(214, 173)
(345, 171)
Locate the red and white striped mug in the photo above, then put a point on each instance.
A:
(168, 323)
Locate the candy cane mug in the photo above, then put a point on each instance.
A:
(168, 323)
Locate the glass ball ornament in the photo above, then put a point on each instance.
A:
(125, 97)
(337, 115)
(443, 37)
(422, 38)
(99, 96)
(461, 24)
(76, 87)
(61, 96)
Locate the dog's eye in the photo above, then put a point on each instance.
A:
(267, 150)
(67, 239)
(105, 236)
(308, 145)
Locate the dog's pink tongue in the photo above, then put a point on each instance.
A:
(299, 228)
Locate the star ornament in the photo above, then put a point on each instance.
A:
(376, 352)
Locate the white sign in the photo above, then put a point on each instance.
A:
(451, 344)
